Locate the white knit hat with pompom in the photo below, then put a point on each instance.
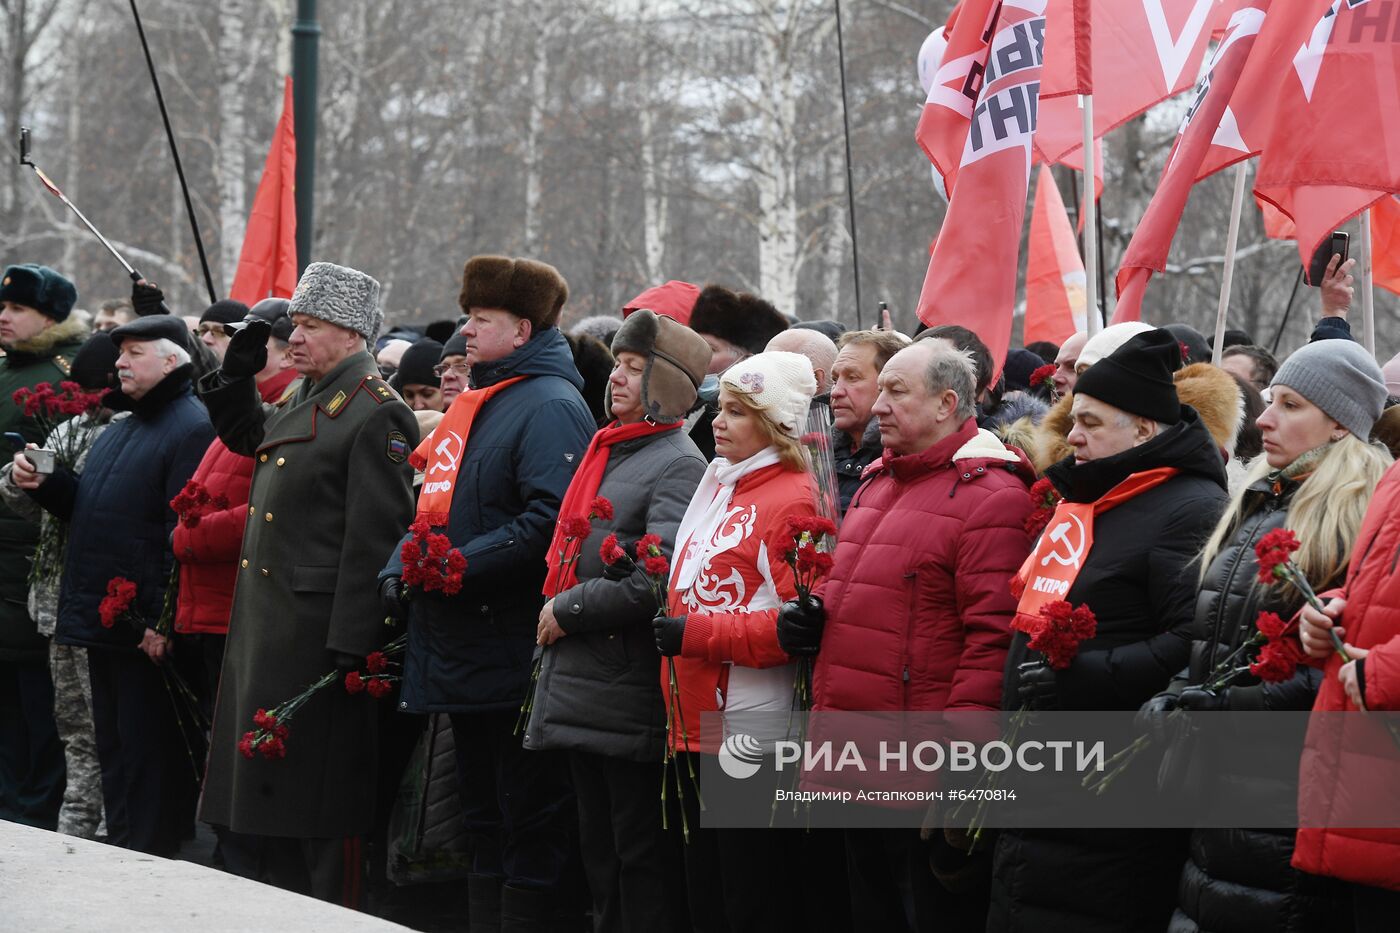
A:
(779, 384)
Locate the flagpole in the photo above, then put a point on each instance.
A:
(1091, 248)
(850, 184)
(1368, 292)
(1236, 208)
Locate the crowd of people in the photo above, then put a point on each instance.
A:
(258, 480)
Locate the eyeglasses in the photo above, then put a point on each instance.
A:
(216, 329)
(460, 369)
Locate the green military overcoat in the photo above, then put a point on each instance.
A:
(330, 496)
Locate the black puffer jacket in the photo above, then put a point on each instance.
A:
(1240, 879)
(1138, 581)
(852, 459)
(600, 686)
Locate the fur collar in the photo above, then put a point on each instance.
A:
(46, 341)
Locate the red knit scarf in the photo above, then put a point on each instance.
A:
(584, 488)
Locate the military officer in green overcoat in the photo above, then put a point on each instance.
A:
(331, 494)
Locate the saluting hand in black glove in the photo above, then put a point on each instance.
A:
(247, 351)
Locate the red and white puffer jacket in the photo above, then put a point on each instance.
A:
(730, 659)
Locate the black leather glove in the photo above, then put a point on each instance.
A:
(1151, 718)
(247, 351)
(1197, 700)
(621, 569)
(345, 663)
(147, 298)
(1037, 687)
(391, 598)
(800, 625)
(669, 632)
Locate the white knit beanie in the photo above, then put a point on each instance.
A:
(779, 384)
(1108, 340)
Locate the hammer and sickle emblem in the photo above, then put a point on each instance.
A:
(1072, 537)
(446, 454)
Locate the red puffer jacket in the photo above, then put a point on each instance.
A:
(208, 552)
(918, 605)
(1372, 621)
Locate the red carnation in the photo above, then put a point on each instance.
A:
(656, 566)
(245, 745)
(1271, 625)
(376, 663)
(1273, 551)
(264, 720)
(611, 552)
(1041, 374)
(419, 528)
(273, 747)
(575, 527)
(378, 687)
(648, 546)
(117, 602)
(601, 508)
(1058, 630)
(353, 682)
(1275, 663)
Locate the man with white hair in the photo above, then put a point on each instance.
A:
(814, 345)
(330, 494)
(119, 522)
(915, 614)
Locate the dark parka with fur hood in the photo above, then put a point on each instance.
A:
(1139, 580)
(46, 357)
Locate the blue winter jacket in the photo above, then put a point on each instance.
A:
(118, 511)
(471, 652)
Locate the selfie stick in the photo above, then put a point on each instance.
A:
(47, 182)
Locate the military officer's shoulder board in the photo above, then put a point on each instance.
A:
(63, 364)
(378, 389)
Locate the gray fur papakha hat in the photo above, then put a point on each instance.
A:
(339, 295)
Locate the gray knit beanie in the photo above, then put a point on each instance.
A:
(339, 295)
(1339, 377)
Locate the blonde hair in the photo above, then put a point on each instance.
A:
(1326, 511)
(790, 452)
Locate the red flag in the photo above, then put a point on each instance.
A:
(1332, 149)
(1144, 51)
(1055, 283)
(971, 277)
(267, 265)
(1069, 66)
(957, 86)
(1385, 243)
(1151, 242)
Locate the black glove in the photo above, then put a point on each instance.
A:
(1037, 686)
(1197, 700)
(345, 663)
(800, 625)
(391, 598)
(247, 351)
(1151, 718)
(669, 632)
(147, 298)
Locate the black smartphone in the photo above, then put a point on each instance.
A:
(1336, 245)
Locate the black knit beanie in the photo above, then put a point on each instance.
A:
(1137, 377)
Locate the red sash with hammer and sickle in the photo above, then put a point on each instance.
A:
(1064, 546)
(440, 454)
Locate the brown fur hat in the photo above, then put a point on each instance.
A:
(1206, 388)
(1387, 430)
(594, 364)
(740, 318)
(524, 287)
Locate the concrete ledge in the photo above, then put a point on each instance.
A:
(50, 882)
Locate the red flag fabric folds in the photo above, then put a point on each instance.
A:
(971, 276)
(1055, 284)
(267, 264)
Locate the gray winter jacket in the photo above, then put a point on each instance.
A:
(599, 689)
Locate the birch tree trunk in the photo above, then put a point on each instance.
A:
(230, 161)
(776, 162)
(534, 126)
